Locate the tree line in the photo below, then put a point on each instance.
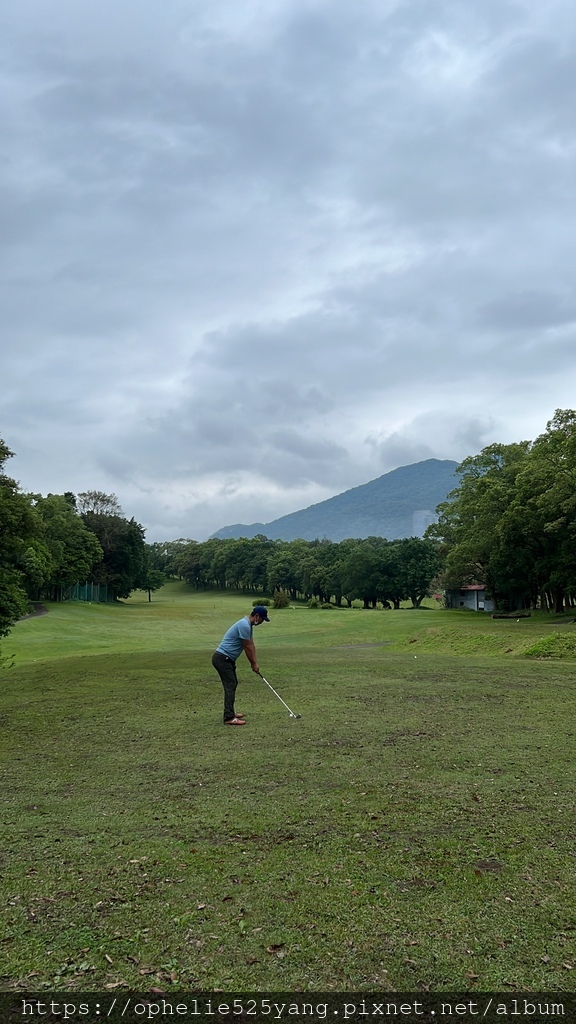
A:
(511, 522)
(49, 544)
(373, 570)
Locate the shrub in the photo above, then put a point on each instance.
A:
(313, 602)
(264, 601)
(327, 605)
(281, 599)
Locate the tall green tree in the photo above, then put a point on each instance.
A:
(545, 506)
(334, 557)
(124, 562)
(469, 523)
(187, 563)
(65, 551)
(417, 563)
(246, 563)
(365, 572)
(281, 568)
(98, 503)
(18, 527)
(162, 554)
(151, 579)
(511, 524)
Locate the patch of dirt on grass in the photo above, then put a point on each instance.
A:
(405, 884)
(407, 734)
(490, 864)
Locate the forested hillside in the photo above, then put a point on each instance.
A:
(384, 507)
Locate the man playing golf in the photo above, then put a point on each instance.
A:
(237, 639)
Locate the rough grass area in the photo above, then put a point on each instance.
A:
(415, 829)
(557, 645)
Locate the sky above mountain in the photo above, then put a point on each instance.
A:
(257, 253)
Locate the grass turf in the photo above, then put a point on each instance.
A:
(415, 829)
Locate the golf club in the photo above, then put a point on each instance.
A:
(292, 715)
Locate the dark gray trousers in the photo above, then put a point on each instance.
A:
(226, 669)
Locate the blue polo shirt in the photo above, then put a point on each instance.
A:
(232, 642)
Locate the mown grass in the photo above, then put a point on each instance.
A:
(415, 829)
(178, 620)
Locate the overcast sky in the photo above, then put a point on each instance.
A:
(256, 253)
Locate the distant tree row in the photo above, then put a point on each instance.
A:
(49, 544)
(373, 570)
(511, 523)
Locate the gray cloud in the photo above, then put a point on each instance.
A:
(256, 254)
(529, 310)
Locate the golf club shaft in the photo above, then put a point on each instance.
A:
(276, 694)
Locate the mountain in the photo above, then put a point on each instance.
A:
(398, 504)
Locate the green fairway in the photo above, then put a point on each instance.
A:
(415, 829)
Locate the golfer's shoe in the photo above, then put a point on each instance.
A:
(235, 721)
(239, 715)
